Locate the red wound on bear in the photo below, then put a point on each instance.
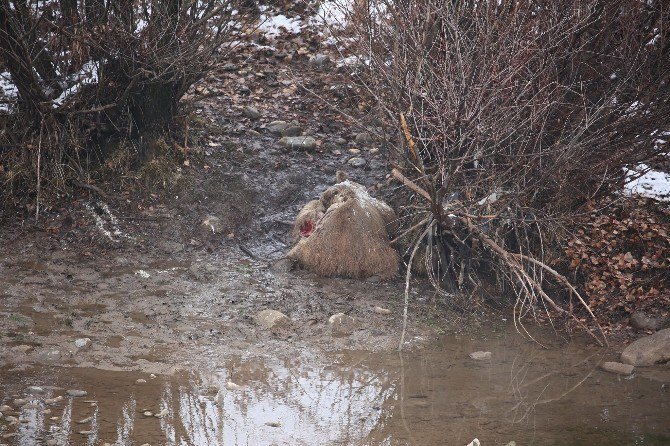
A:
(307, 228)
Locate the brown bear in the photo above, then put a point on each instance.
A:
(346, 234)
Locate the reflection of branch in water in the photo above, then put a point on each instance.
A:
(410, 437)
(518, 386)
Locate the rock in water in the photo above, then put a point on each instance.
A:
(480, 356)
(650, 350)
(346, 233)
(272, 319)
(617, 367)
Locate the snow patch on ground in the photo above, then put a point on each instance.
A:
(332, 13)
(8, 92)
(652, 184)
(273, 25)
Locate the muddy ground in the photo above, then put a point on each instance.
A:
(131, 266)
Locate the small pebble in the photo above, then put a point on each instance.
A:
(273, 424)
(357, 161)
(6, 408)
(34, 390)
(56, 400)
(46, 411)
(232, 386)
(54, 418)
(77, 393)
(161, 414)
(152, 376)
(85, 420)
(85, 432)
(11, 435)
(11, 419)
(380, 310)
(141, 381)
(20, 402)
(148, 413)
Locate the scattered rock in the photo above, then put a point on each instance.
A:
(0, 415)
(55, 400)
(34, 390)
(46, 411)
(161, 414)
(283, 265)
(357, 161)
(148, 413)
(50, 356)
(298, 142)
(649, 350)
(232, 386)
(475, 442)
(20, 402)
(251, 112)
(271, 319)
(617, 367)
(6, 408)
(85, 420)
(374, 151)
(82, 343)
(273, 424)
(22, 349)
(10, 435)
(85, 432)
(52, 442)
(230, 67)
(76, 393)
(342, 324)
(212, 224)
(363, 139)
(643, 322)
(292, 130)
(355, 151)
(319, 61)
(277, 127)
(141, 381)
(380, 310)
(480, 356)
(252, 132)
(340, 141)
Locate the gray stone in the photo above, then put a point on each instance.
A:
(340, 141)
(648, 350)
(319, 61)
(355, 151)
(277, 127)
(363, 138)
(82, 343)
(283, 265)
(6, 408)
(212, 224)
(230, 67)
(251, 112)
(76, 393)
(374, 151)
(292, 130)
(357, 161)
(480, 356)
(617, 367)
(641, 321)
(20, 402)
(271, 319)
(34, 390)
(298, 142)
(342, 324)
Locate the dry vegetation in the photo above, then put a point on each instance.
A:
(92, 73)
(513, 118)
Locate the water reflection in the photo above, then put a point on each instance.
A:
(438, 397)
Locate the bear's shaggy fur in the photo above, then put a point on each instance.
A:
(346, 234)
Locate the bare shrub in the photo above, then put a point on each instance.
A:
(512, 115)
(90, 72)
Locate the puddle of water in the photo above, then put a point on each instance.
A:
(435, 397)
